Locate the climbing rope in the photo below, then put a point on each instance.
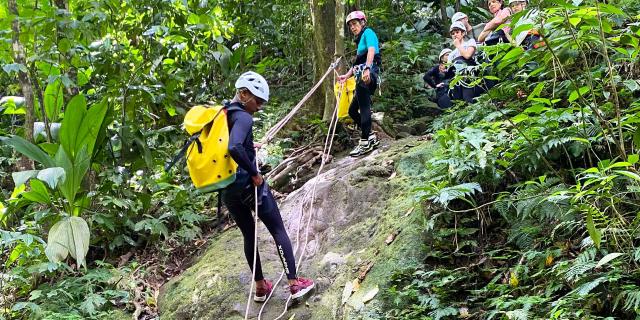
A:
(308, 197)
(278, 126)
(268, 137)
(255, 247)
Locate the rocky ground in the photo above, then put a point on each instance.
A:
(364, 226)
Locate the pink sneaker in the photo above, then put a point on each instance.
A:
(262, 293)
(301, 287)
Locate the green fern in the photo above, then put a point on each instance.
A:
(443, 312)
(581, 265)
(586, 288)
(632, 300)
(520, 314)
(444, 195)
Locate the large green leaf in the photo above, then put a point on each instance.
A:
(53, 100)
(69, 236)
(73, 117)
(75, 170)
(52, 176)
(90, 127)
(38, 193)
(28, 149)
(21, 177)
(594, 233)
(81, 127)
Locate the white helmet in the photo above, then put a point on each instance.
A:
(457, 25)
(255, 83)
(514, 1)
(443, 52)
(458, 16)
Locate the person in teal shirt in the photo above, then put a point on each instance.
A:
(366, 69)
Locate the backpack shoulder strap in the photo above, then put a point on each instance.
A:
(232, 106)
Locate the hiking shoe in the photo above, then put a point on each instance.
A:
(301, 287)
(362, 148)
(262, 293)
(373, 140)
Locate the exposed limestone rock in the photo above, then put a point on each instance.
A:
(359, 202)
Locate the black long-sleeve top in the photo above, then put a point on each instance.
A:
(241, 139)
(433, 77)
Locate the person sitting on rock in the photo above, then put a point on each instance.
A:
(528, 39)
(472, 32)
(463, 61)
(438, 78)
(252, 93)
(500, 16)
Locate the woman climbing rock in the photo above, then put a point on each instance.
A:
(252, 93)
(366, 68)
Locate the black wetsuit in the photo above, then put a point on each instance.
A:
(238, 197)
(433, 77)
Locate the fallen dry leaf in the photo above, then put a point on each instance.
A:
(391, 237)
(464, 312)
(356, 284)
(364, 270)
(409, 212)
(346, 293)
(370, 295)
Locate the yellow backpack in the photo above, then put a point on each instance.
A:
(344, 95)
(211, 168)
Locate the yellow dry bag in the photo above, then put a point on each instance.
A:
(344, 95)
(211, 168)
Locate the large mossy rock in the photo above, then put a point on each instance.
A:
(360, 204)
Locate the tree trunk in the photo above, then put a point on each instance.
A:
(339, 52)
(445, 18)
(23, 77)
(323, 22)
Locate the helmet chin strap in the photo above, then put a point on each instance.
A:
(238, 96)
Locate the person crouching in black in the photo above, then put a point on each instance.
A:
(438, 78)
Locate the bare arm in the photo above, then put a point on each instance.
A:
(499, 19)
(371, 52)
(468, 52)
(483, 35)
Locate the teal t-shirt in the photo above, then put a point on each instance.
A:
(368, 40)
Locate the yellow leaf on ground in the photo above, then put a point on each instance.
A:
(549, 261)
(513, 280)
(356, 284)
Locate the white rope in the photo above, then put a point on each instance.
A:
(255, 248)
(278, 126)
(312, 194)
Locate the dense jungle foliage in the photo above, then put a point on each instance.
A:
(532, 195)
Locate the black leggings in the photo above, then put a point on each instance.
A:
(239, 200)
(360, 108)
(460, 92)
